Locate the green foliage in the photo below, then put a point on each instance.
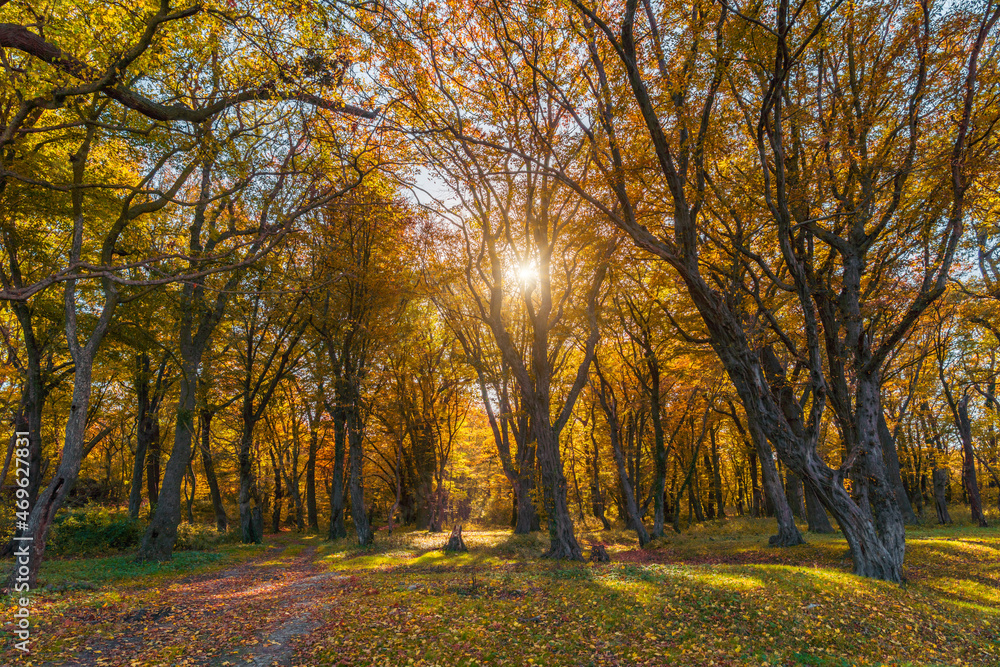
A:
(94, 529)
(202, 537)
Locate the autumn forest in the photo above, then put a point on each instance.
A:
(556, 332)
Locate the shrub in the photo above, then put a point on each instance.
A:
(94, 529)
(198, 537)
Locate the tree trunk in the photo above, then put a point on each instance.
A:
(147, 431)
(440, 501)
(710, 475)
(788, 533)
(361, 525)
(596, 493)
(278, 495)
(527, 517)
(158, 542)
(141, 434)
(424, 460)
(252, 526)
(685, 485)
(694, 501)
(610, 407)
(969, 463)
(717, 479)
(313, 517)
(58, 489)
(247, 488)
(28, 419)
(337, 529)
(919, 497)
(819, 522)
(940, 495)
(756, 495)
(873, 529)
(878, 550)
(794, 494)
(580, 516)
(221, 521)
(740, 493)
(20, 429)
(191, 486)
(292, 484)
(891, 456)
(26, 563)
(660, 449)
(138, 465)
(153, 460)
(562, 541)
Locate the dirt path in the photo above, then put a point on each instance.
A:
(277, 649)
(249, 614)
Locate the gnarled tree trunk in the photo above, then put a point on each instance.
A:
(562, 541)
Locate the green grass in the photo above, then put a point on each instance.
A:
(110, 570)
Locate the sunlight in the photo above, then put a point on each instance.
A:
(527, 274)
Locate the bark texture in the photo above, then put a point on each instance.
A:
(940, 476)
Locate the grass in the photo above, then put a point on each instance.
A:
(715, 595)
(106, 571)
(109, 570)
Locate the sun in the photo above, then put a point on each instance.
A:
(527, 274)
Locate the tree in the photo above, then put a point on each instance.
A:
(147, 428)
(84, 343)
(99, 114)
(361, 240)
(501, 402)
(959, 408)
(774, 92)
(268, 351)
(609, 403)
(430, 402)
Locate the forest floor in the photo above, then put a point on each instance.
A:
(716, 595)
